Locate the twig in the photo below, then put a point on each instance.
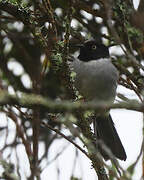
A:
(74, 162)
(21, 135)
(130, 86)
(49, 10)
(35, 163)
(81, 5)
(140, 154)
(61, 134)
(94, 157)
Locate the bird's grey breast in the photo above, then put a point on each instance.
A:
(96, 79)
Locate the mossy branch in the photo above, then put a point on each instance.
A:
(33, 100)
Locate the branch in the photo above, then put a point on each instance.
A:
(83, 6)
(33, 100)
(21, 135)
(19, 13)
(65, 137)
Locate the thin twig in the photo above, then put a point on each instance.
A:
(61, 134)
(21, 134)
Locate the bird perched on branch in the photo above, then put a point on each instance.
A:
(96, 79)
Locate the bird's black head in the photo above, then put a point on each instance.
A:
(92, 50)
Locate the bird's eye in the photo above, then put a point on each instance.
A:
(94, 47)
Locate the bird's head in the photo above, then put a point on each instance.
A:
(92, 50)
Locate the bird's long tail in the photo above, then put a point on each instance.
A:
(105, 131)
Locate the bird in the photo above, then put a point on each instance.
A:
(96, 80)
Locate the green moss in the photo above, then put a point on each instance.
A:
(122, 13)
(122, 10)
(133, 33)
(57, 56)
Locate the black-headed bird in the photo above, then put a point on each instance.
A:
(96, 80)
